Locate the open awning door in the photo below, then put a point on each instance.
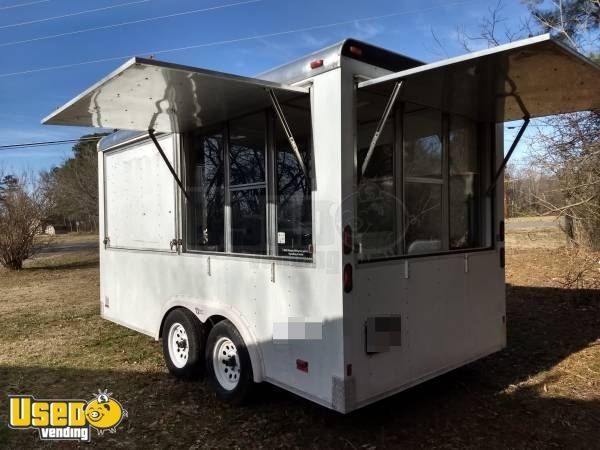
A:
(530, 78)
(145, 94)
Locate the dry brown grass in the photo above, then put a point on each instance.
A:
(542, 391)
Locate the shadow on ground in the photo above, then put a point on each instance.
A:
(491, 403)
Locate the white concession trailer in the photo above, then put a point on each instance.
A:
(333, 226)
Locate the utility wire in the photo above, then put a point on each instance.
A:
(21, 5)
(229, 41)
(78, 13)
(131, 22)
(48, 143)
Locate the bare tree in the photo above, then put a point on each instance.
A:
(22, 212)
(566, 148)
(570, 149)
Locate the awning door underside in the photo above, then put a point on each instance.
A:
(146, 94)
(525, 79)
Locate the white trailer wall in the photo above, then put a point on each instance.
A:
(140, 285)
(140, 206)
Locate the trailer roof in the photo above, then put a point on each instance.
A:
(533, 77)
(148, 94)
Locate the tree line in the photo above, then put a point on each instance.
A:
(65, 197)
(562, 175)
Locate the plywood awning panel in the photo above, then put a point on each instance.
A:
(530, 78)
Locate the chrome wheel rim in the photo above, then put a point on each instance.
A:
(179, 348)
(226, 363)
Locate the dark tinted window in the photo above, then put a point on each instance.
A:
(205, 211)
(294, 210)
(247, 157)
(247, 137)
(376, 197)
(248, 221)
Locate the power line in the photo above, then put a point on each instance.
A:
(226, 42)
(131, 22)
(48, 143)
(78, 13)
(21, 5)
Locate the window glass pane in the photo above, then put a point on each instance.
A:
(423, 217)
(294, 209)
(465, 213)
(376, 200)
(249, 221)
(423, 144)
(247, 149)
(205, 211)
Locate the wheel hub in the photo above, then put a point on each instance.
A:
(178, 345)
(226, 363)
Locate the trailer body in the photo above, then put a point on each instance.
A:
(384, 265)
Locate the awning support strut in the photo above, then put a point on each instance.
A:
(384, 118)
(508, 155)
(168, 164)
(287, 130)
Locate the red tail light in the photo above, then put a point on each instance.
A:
(302, 365)
(348, 244)
(316, 64)
(347, 278)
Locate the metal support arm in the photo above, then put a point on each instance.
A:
(508, 155)
(384, 118)
(169, 166)
(287, 130)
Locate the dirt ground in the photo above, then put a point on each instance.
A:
(542, 391)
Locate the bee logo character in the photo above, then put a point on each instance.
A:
(104, 413)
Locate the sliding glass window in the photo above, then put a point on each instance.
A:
(376, 198)
(423, 181)
(420, 191)
(465, 208)
(205, 185)
(247, 191)
(247, 184)
(293, 186)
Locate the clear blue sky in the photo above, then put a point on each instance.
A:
(26, 98)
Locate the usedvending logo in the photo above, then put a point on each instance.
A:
(58, 420)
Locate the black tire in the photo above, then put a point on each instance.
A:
(191, 367)
(241, 393)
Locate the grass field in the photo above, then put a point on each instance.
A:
(542, 391)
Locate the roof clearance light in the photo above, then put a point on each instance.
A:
(356, 51)
(316, 64)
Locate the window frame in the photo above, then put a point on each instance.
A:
(268, 185)
(486, 145)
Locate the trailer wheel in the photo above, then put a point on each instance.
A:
(228, 364)
(183, 344)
